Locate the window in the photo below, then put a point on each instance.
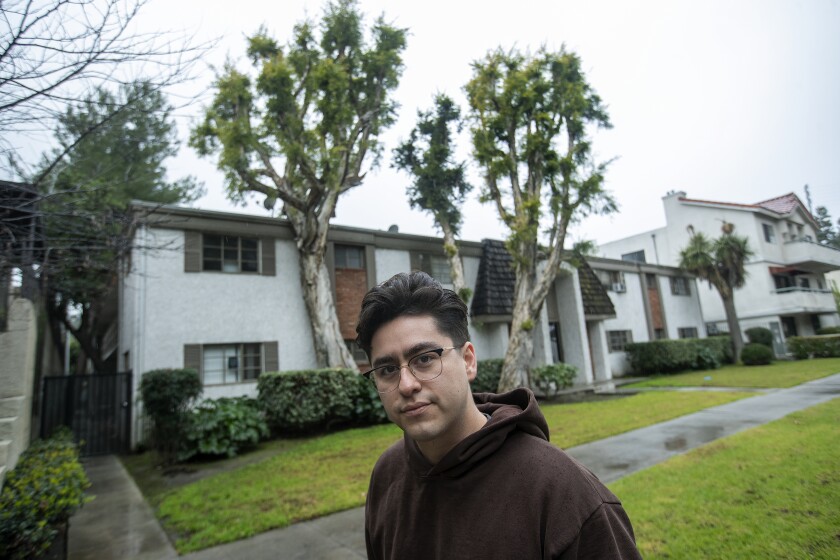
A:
(650, 280)
(712, 329)
(660, 334)
(635, 256)
(804, 283)
(680, 286)
(358, 353)
(612, 280)
(434, 265)
(229, 253)
(556, 342)
(769, 233)
(783, 281)
(619, 339)
(347, 256)
(687, 332)
(231, 363)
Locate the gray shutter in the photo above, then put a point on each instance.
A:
(192, 357)
(270, 356)
(192, 251)
(268, 261)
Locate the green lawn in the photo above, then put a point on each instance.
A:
(318, 476)
(770, 492)
(778, 374)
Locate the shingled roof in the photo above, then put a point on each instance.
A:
(496, 280)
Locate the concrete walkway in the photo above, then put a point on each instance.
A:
(116, 526)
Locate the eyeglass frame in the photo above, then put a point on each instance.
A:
(438, 351)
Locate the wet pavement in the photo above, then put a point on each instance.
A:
(341, 535)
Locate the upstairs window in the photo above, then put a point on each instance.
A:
(769, 233)
(230, 253)
(635, 256)
(687, 332)
(435, 266)
(680, 286)
(231, 363)
(349, 256)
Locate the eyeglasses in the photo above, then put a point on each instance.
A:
(425, 366)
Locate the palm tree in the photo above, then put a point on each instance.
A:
(721, 263)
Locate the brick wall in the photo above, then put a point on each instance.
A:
(350, 288)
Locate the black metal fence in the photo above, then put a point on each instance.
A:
(96, 408)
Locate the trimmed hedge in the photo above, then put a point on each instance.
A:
(488, 375)
(167, 396)
(40, 494)
(311, 400)
(224, 426)
(755, 354)
(822, 346)
(828, 330)
(671, 356)
(760, 335)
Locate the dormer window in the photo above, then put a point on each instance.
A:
(769, 233)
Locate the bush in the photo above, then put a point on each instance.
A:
(42, 492)
(755, 354)
(367, 406)
(225, 426)
(487, 378)
(308, 400)
(760, 335)
(823, 346)
(167, 395)
(670, 356)
(829, 330)
(550, 379)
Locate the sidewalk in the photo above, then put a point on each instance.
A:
(341, 535)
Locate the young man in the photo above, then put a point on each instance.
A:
(475, 475)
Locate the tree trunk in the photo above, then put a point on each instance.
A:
(456, 267)
(330, 350)
(520, 350)
(734, 327)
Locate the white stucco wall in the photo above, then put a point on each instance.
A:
(390, 262)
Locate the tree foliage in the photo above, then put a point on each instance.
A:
(721, 263)
(117, 157)
(827, 234)
(440, 185)
(532, 115)
(301, 128)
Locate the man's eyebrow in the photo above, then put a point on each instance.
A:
(409, 353)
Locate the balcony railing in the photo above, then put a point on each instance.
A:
(797, 299)
(811, 255)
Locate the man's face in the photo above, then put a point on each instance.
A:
(437, 414)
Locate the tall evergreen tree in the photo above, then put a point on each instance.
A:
(303, 132)
(110, 157)
(440, 185)
(531, 118)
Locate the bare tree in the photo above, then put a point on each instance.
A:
(53, 52)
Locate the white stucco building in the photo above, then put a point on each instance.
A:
(786, 289)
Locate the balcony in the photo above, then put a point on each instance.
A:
(803, 300)
(811, 256)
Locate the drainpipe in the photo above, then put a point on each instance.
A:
(655, 250)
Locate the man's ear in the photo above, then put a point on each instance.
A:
(470, 361)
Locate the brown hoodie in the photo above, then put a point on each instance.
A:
(503, 492)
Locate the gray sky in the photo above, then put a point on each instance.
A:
(737, 101)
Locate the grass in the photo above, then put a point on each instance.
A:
(314, 477)
(778, 374)
(770, 492)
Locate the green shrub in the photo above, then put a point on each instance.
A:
(671, 356)
(828, 330)
(487, 378)
(755, 354)
(550, 379)
(303, 401)
(167, 395)
(44, 489)
(367, 406)
(823, 346)
(760, 335)
(224, 426)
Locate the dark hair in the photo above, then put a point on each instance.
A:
(414, 293)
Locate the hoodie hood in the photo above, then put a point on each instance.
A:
(509, 412)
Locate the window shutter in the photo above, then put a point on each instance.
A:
(192, 357)
(271, 360)
(268, 261)
(192, 251)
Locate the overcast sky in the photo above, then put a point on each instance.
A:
(736, 101)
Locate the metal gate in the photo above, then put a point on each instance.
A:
(96, 408)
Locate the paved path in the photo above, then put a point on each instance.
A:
(340, 536)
